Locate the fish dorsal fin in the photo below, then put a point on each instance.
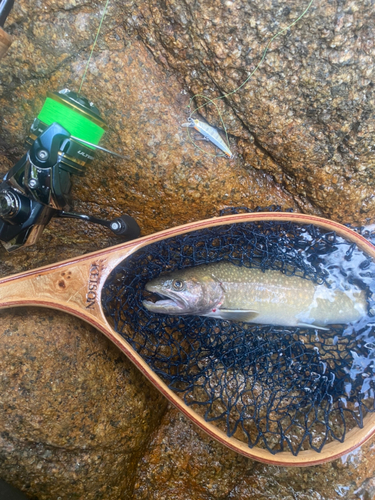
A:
(311, 325)
(247, 316)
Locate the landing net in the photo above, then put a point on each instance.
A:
(279, 388)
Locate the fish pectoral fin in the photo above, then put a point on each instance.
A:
(311, 325)
(247, 316)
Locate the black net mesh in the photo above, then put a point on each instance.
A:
(279, 388)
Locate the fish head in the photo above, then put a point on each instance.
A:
(190, 291)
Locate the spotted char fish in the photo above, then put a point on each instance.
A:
(224, 290)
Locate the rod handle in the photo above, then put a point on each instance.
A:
(5, 42)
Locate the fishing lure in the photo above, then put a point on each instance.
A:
(209, 133)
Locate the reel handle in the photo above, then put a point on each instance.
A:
(124, 225)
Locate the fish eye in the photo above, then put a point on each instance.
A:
(178, 285)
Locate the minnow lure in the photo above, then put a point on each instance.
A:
(210, 134)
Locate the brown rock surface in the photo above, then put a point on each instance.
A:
(310, 106)
(75, 413)
(184, 463)
(303, 133)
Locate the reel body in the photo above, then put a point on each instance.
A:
(38, 186)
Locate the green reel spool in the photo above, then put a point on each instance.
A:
(80, 118)
(75, 114)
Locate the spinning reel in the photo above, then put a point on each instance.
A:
(38, 186)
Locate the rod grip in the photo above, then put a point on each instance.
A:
(5, 42)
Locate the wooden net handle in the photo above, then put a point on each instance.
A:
(5, 42)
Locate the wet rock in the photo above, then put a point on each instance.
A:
(302, 130)
(165, 180)
(183, 463)
(75, 413)
(309, 108)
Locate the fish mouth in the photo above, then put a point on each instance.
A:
(166, 305)
(160, 302)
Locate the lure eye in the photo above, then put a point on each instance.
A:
(178, 285)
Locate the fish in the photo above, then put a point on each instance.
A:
(209, 133)
(237, 293)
